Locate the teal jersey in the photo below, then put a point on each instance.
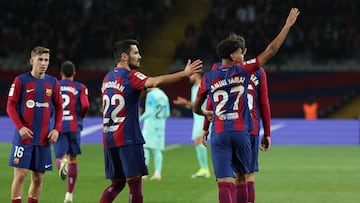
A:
(157, 110)
(198, 120)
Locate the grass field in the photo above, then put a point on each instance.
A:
(289, 174)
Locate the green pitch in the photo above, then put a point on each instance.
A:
(293, 174)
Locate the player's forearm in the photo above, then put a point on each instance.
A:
(206, 125)
(13, 115)
(163, 80)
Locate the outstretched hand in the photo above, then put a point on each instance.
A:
(293, 14)
(193, 67)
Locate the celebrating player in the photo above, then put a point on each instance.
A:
(227, 87)
(122, 138)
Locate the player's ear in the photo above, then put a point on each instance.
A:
(123, 56)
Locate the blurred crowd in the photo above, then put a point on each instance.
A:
(75, 29)
(325, 29)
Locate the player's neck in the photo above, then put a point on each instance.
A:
(37, 75)
(123, 65)
(228, 62)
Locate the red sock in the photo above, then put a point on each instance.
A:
(58, 163)
(135, 190)
(225, 192)
(32, 200)
(242, 193)
(251, 191)
(112, 191)
(16, 201)
(72, 174)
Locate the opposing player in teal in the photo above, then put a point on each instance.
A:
(157, 110)
(201, 151)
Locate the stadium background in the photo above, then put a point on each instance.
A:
(320, 57)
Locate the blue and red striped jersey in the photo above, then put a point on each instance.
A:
(75, 105)
(258, 101)
(228, 89)
(121, 91)
(35, 104)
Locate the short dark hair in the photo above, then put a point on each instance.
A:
(68, 68)
(123, 46)
(226, 47)
(238, 38)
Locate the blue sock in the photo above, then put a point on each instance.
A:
(202, 156)
(158, 160)
(147, 156)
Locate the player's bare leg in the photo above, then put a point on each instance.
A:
(17, 186)
(35, 186)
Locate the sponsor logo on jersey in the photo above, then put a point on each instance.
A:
(31, 104)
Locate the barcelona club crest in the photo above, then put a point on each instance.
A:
(48, 92)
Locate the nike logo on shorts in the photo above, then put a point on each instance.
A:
(47, 165)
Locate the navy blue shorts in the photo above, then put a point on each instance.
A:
(124, 162)
(254, 142)
(231, 152)
(32, 157)
(67, 143)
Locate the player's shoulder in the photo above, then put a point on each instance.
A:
(24, 76)
(50, 78)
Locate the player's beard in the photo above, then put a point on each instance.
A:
(134, 63)
(133, 66)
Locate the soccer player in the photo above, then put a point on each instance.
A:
(157, 110)
(75, 105)
(122, 138)
(258, 102)
(227, 87)
(34, 98)
(201, 151)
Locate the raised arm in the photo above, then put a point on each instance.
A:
(274, 46)
(190, 68)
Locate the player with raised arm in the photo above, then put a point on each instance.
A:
(258, 102)
(122, 137)
(75, 105)
(34, 98)
(227, 88)
(157, 110)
